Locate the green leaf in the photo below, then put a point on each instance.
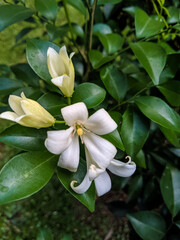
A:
(79, 5)
(97, 59)
(108, 1)
(47, 8)
(8, 85)
(170, 189)
(134, 131)
(112, 42)
(140, 159)
(115, 82)
(174, 14)
(10, 14)
(146, 26)
(115, 138)
(171, 91)
(148, 225)
(178, 223)
(37, 57)
(172, 136)
(66, 177)
(89, 93)
(152, 57)
(135, 187)
(44, 234)
(25, 174)
(158, 111)
(25, 138)
(101, 28)
(52, 103)
(30, 92)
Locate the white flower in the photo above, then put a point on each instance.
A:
(28, 112)
(102, 180)
(61, 70)
(66, 142)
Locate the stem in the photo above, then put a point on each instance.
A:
(92, 13)
(69, 100)
(60, 122)
(132, 98)
(71, 30)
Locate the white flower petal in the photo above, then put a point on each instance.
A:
(15, 104)
(55, 63)
(75, 113)
(9, 115)
(100, 150)
(69, 158)
(58, 141)
(94, 172)
(122, 169)
(103, 184)
(100, 123)
(83, 187)
(58, 81)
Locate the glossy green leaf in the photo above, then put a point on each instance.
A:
(44, 234)
(178, 223)
(25, 174)
(88, 198)
(135, 188)
(89, 93)
(172, 136)
(115, 138)
(30, 92)
(140, 159)
(25, 138)
(134, 131)
(112, 42)
(22, 33)
(52, 103)
(145, 25)
(79, 5)
(108, 1)
(171, 91)
(114, 81)
(98, 59)
(37, 57)
(47, 8)
(148, 225)
(8, 85)
(152, 57)
(158, 111)
(101, 28)
(10, 14)
(170, 189)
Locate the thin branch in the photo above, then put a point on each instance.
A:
(91, 23)
(71, 31)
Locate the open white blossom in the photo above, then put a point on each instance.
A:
(28, 112)
(102, 180)
(66, 142)
(61, 70)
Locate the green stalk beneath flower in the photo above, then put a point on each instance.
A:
(59, 122)
(69, 100)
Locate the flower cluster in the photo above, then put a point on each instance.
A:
(99, 152)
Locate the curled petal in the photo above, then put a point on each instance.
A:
(55, 63)
(58, 81)
(15, 104)
(58, 141)
(69, 158)
(100, 123)
(122, 169)
(102, 183)
(73, 113)
(9, 115)
(100, 150)
(94, 172)
(83, 187)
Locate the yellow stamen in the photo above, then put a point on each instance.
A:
(80, 131)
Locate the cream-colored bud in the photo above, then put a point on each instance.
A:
(28, 113)
(61, 69)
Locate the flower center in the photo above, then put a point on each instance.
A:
(80, 131)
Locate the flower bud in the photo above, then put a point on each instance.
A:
(28, 113)
(61, 70)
